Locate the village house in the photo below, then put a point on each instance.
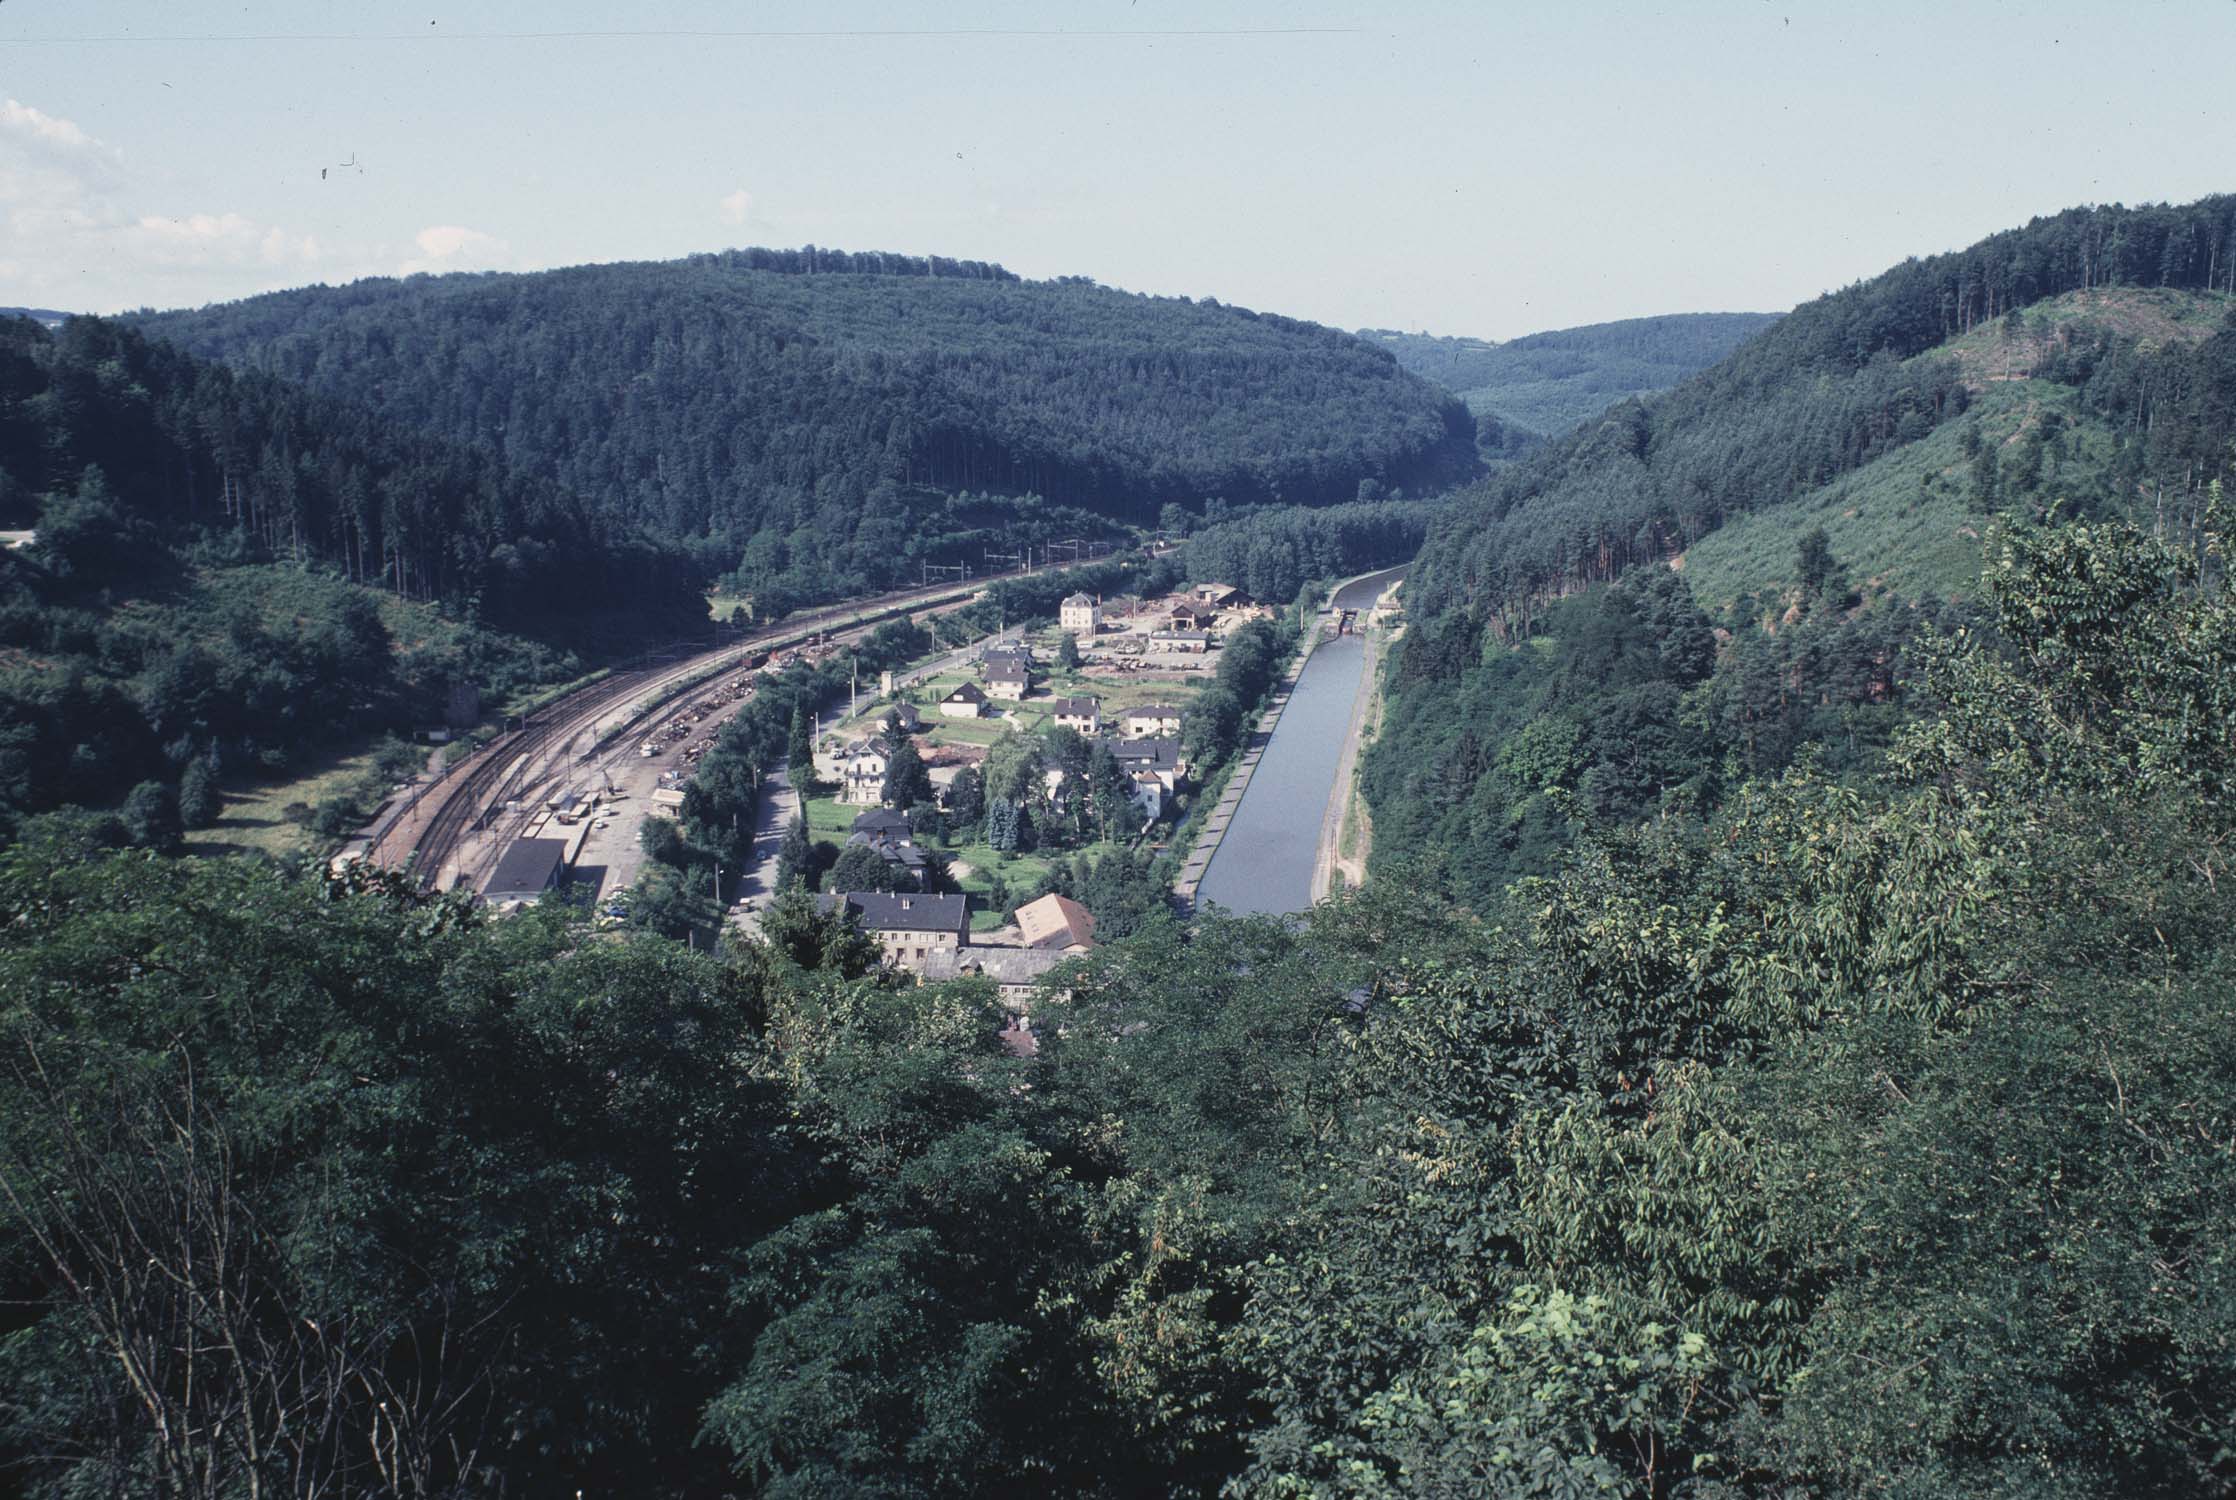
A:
(1057, 923)
(885, 823)
(1216, 595)
(1149, 795)
(909, 720)
(1080, 615)
(1016, 972)
(1149, 719)
(1186, 616)
(1008, 679)
(862, 767)
(1158, 756)
(909, 926)
(1082, 714)
(900, 855)
(966, 702)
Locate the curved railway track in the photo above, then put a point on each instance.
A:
(468, 798)
(428, 833)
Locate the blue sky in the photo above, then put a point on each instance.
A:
(1462, 168)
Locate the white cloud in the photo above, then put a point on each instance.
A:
(28, 128)
(735, 206)
(83, 233)
(218, 241)
(453, 247)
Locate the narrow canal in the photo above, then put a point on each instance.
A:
(1264, 864)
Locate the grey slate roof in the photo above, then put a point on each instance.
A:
(1002, 965)
(530, 867)
(884, 822)
(1154, 753)
(892, 851)
(910, 911)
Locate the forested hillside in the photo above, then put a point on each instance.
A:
(1824, 492)
(1862, 1140)
(227, 571)
(1544, 384)
(818, 415)
(1454, 363)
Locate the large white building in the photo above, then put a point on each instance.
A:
(1080, 615)
(862, 767)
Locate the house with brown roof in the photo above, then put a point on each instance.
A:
(1056, 922)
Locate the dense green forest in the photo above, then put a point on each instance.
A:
(831, 421)
(1271, 554)
(1898, 416)
(1779, 1053)
(1545, 383)
(1860, 1140)
(228, 572)
(1454, 363)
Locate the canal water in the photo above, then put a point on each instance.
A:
(1264, 864)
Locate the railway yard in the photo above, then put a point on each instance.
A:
(587, 767)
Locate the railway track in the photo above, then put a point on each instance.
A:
(427, 837)
(429, 833)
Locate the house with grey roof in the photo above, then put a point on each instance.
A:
(908, 925)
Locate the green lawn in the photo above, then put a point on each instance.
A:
(963, 731)
(1118, 694)
(254, 819)
(1023, 873)
(831, 820)
(827, 816)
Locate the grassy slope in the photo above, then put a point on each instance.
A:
(1904, 525)
(194, 606)
(2155, 316)
(255, 816)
